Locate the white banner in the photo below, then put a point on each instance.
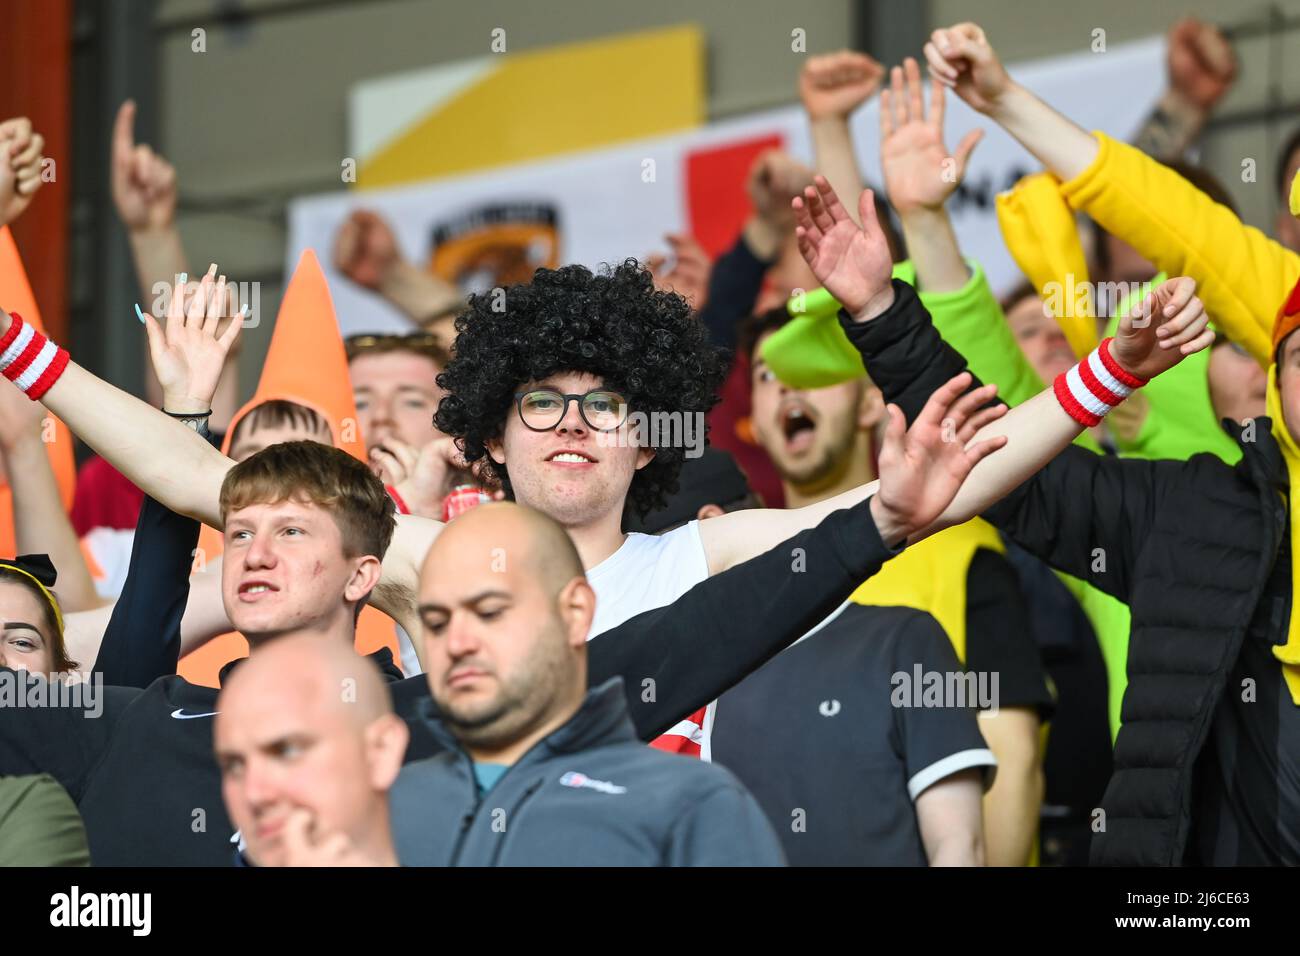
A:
(607, 205)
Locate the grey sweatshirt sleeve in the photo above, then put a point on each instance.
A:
(726, 828)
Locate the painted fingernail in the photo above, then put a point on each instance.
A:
(244, 310)
(140, 313)
(184, 276)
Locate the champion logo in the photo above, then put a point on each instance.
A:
(575, 779)
(829, 708)
(179, 714)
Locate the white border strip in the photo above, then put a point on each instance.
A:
(922, 780)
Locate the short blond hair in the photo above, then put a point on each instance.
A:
(325, 476)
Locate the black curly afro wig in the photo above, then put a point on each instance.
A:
(641, 342)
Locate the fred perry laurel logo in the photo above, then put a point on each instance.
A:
(829, 708)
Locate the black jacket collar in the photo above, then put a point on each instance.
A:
(1261, 456)
(382, 658)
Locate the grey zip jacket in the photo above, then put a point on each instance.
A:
(589, 794)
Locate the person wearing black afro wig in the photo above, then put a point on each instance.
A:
(610, 336)
(571, 327)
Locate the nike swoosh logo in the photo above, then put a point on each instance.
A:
(179, 714)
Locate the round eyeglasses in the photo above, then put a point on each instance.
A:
(541, 409)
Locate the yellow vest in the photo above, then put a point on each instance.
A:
(931, 576)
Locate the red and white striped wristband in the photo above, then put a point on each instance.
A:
(1094, 386)
(29, 359)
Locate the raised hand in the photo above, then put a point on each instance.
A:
(143, 183)
(962, 59)
(853, 263)
(689, 275)
(190, 352)
(922, 468)
(423, 476)
(1166, 327)
(775, 178)
(20, 167)
(365, 249)
(1202, 64)
(919, 171)
(834, 85)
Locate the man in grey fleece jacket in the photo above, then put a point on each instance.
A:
(537, 770)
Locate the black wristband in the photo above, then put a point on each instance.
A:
(206, 414)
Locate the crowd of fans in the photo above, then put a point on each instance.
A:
(425, 598)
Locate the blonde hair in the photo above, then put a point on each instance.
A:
(324, 476)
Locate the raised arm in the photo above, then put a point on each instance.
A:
(41, 523)
(366, 251)
(1078, 502)
(1240, 273)
(40, 519)
(831, 88)
(143, 639)
(920, 174)
(164, 458)
(1201, 67)
(761, 606)
(736, 278)
(853, 264)
(144, 192)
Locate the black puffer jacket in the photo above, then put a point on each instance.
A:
(1188, 545)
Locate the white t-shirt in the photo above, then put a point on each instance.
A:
(647, 572)
(111, 550)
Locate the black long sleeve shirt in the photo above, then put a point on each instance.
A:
(140, 766)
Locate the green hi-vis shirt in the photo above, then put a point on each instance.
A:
(39, 824)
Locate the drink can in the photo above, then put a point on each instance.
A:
(462, 499)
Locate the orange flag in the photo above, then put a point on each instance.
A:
(16, 296)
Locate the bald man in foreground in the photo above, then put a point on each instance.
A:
(537, 769)
(308, 746)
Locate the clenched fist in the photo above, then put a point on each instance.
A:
(20, 167)
(365, 249)
(836, 84)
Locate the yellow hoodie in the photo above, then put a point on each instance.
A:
(1241, 275)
